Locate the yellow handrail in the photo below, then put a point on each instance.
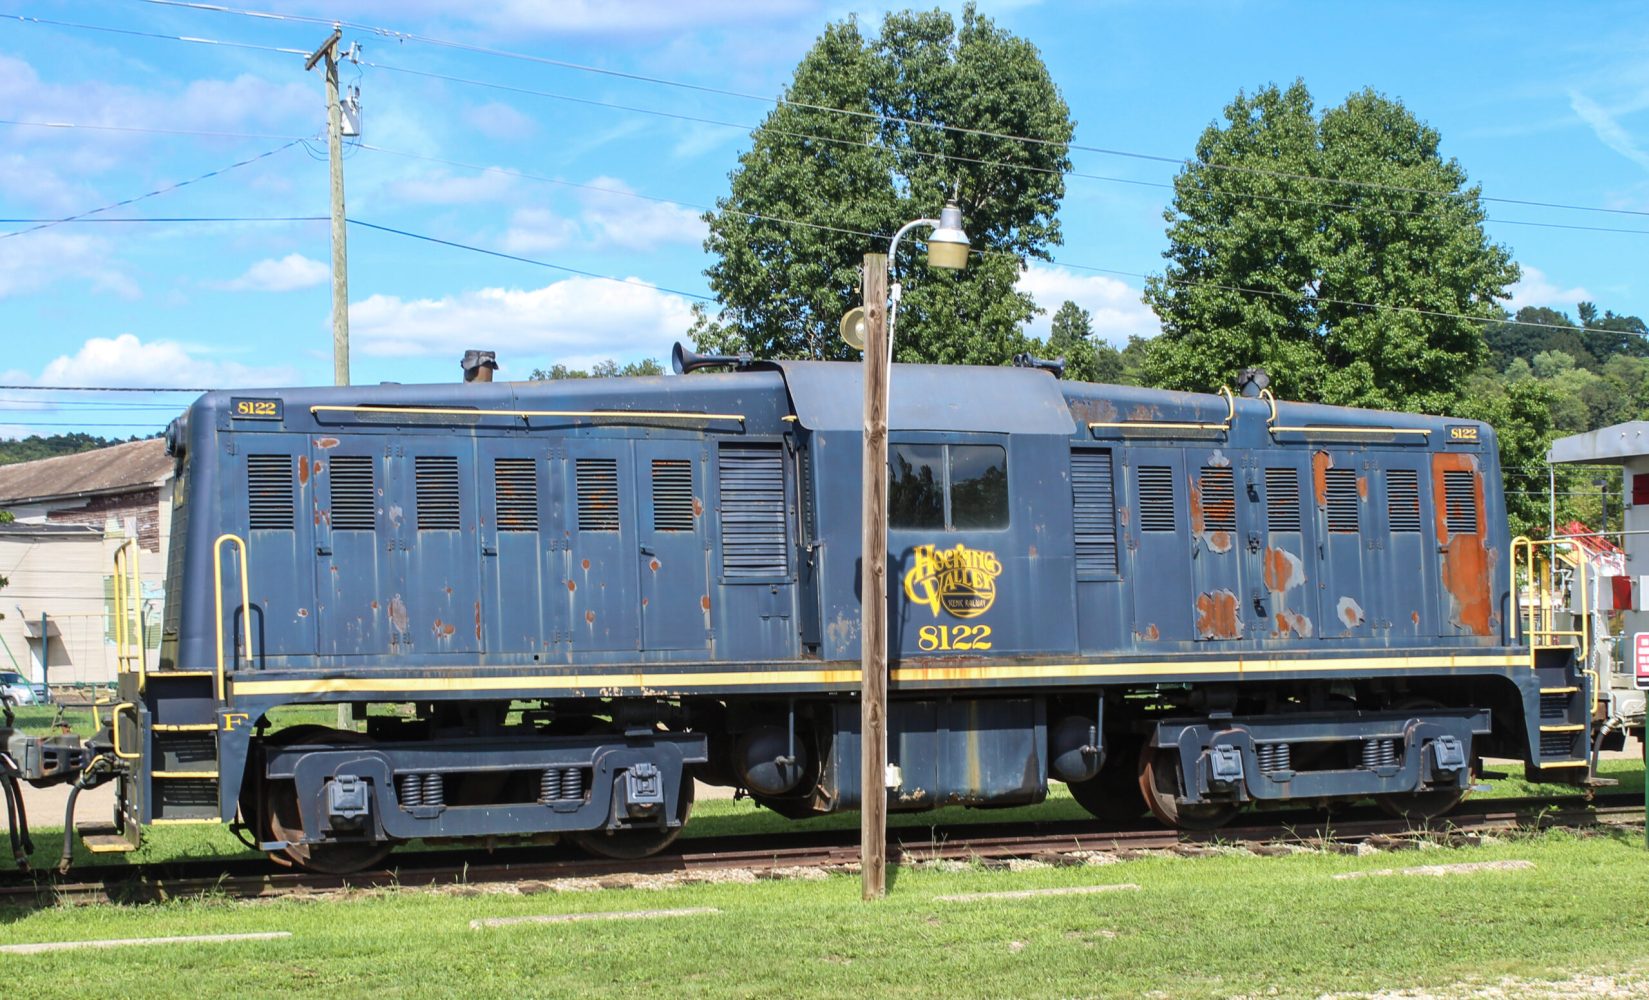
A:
(128, 591)
(1274, 427)
(444, 411)
(114, 726)
(1169, 425)
(245, 601)
(1537, 620)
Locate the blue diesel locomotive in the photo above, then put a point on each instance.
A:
(553, 605)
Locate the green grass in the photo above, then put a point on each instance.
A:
(1205, 927)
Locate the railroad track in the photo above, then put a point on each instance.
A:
(1054, 842)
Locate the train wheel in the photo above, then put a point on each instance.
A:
(281, 803)
(1113, 794)
(630, 845)
(1159, 782)
(1420, 806)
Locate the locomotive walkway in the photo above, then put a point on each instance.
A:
(1061, 843)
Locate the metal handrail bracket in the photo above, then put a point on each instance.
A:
(245, 602)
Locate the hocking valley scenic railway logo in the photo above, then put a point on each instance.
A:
(961, 581)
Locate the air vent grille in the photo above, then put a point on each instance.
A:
(1093, 504)
(1282, 499)
(515, 494)
(1340, 485)
(1460, 498)
(353, 495)
(437, 492)
(270, 502)
(1219, 499)
(753, 522)
(672, 495)
(597, 494)
(1156, 498)
(1403, 499)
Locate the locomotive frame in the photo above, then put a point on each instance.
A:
(586, 594)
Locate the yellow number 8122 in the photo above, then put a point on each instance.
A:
(969, 637)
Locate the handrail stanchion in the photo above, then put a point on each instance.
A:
(245, 602)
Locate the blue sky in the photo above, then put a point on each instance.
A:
(1538, 101)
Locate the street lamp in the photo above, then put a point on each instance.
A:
(947, 248)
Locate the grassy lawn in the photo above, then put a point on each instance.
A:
(1203, 927)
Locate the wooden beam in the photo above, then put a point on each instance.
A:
(873, 588)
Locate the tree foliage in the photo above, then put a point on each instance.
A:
(1269, 266)
(607, 368)
(853, 179)
(51, 446)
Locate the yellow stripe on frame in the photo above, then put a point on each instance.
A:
(840, 678)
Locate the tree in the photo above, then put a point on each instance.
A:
(851, 179)
(1072, 338)
(607, 368)
(1269, 266)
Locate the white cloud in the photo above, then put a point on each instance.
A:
(126, 361)
(1535, 289)
(615, 218)
(497, 120)
(534, 230)
(490, 184)
(650, 17)
(1607, 128)
(1115, 305)
(577, 317)
(283, 274)
(33, 261)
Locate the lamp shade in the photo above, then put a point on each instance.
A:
(948, 244)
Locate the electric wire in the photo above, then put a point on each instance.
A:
(176, 219)
(385, 32)
(164, 189)
(83, 126)
(30, 19)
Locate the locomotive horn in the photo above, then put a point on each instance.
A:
(684, 361)
(1055, 365)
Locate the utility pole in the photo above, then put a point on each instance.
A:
(873, 587)
(340, 268)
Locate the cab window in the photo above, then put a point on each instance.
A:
(955, 487)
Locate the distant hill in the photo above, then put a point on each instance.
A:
(30, 448)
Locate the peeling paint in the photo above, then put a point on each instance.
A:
(477, 621)
(698, 507)
(704, 602)
(326, 443)
(589, 617)
(586, 565)
(1321, 462)
(1218, 460)
(398, 613)
(1293, 621)
(1362, 487)
(1468, 563)
(1416, 618)
(571, 586)
(1283, 570)
(303, 469)
(1142, 412)
(396, 514)
(842, 632)
(1219, 541)
(303, 612)
(654, 564)
(1217, 616)
(1349, 611)
(1151, 633)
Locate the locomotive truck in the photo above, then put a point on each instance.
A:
(552, 606)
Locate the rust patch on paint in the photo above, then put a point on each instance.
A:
(1219, 541)
(644, 602)
(571, 586)
(1198, 522)
(1222, 510)
(1321, 462)
(303, 469)
(1350, 612)
(1362, 487)
(448, 589)
(698, 507)
(1415, 616)
(1217, 616)
(1092, 411)
(1142, 412)
(443, 629)
(1283, 570)
(477, 621)
(325, 443)
(398, 613)
(1293, 621)
(375, 605)
(1151, 633)
(303, 612)
(653, 564)
(1123, 515)
(704, 602)
(589, 617)
(585, 564)
(1467, 561)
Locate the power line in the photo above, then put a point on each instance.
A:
(151, 131)
(875, 116)
(526, 260)
(164, 189)
(29, 19)
(101, 388)
(178, 219)
(952, 158)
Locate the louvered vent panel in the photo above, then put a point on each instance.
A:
(1219, 499)
(354, 495)
(1341, 488)
(437, 479)
(270, 502)
(515, 494)
(1460, 496)
(753, 542)
(672, 495)
(597, 494)
(1093, 504)
(1403, 499)
(1156, 498)
(1282, 499)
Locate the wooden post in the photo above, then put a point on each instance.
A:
(873, 588)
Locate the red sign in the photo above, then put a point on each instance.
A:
(1640, 658)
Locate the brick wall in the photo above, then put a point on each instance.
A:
(141, 504)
